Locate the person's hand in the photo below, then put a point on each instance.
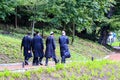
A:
(29, 51)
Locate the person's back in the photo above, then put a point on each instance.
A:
(27, 42)
(26, 45)
(50, 42)
(64, 50)
(50, 48)
(63, 40)
(38, 47)
(37, 42)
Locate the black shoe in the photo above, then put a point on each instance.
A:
(46, 64)
(57, 62)
(34, 64)
(26, 63)
(37, 64)
(41, 64)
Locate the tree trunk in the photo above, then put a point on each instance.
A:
(104, 35)
(64, 26)
(33, 25)
(42, 31)
(73, 33)
(16, 18)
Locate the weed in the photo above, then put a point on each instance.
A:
(57, 75)
(28, 74)
(1, 74)
(7, 73)
(112, 77)
(16, 75)
(59, 66)
(40, 70)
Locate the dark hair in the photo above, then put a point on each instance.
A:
(28, 33)
(37, 32)
(34, 34)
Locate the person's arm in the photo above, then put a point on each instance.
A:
(42, 44)
(46, 41)
(22, 44)
(30, 42)
(67, 40)
(53, 42)
(59, 41)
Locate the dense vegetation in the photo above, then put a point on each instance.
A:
(98, 18)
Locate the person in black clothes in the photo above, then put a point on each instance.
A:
(26, 45)
(38, 47)
(50, 48)
(64, 49)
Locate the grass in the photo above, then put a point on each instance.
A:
(116, 44)
(10, 49)
(90, 70)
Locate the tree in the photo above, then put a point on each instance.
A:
(80, 13)
(7, 8)
(36, 8)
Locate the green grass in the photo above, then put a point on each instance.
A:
(90, 70)
(10, 49)
(116, 44)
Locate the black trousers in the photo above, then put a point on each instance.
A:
(46, 62)
(40, 59)
(26, 58)
(63, 59)
(37, 60)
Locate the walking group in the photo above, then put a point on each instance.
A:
(35, 46)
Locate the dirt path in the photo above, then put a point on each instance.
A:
(17, 67)
(115, 55)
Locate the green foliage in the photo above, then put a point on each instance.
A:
(28, 74)
(7, 73)
(115, 23)
(40, 70)
(50, 70)
(16, 75)
(59, 66)
(1, 74)
(7, 8)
